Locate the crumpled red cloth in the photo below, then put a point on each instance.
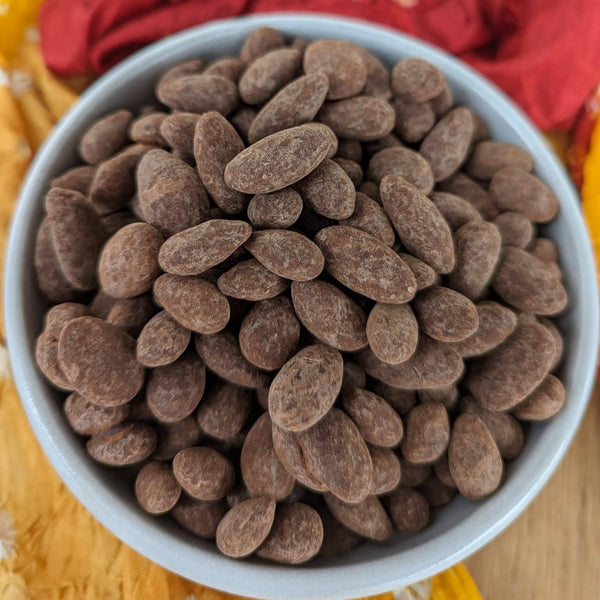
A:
(543, 53)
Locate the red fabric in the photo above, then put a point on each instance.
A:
(544, 53)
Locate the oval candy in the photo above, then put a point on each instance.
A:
(216, 143)
(330, 315)
(195, 250)
(269, 333)
(286, 253)
(427, 433)
(249, 280)
(523, 281)
(420, 226)
(222, 355)
(337, 455)
(306, 387)
(194, 303)
(87, 342)
(124, 444)
(262, 471)
(393, 332)
(377, 421)
(406, 163)
(366, 265)
(279, 160)
(473, 457)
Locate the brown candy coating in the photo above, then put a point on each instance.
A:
(90, 419)
(174, 391)
(222, 355)
(420, 225)
(328, 191)
(269, 333)
(195, 250)
(506, 376)
(259, 42)
(268, 74)
(203, 473)
(277, 210)
(515, 229)
(413, 475)
(330, 315)
(50, 279)
(413, 119)
(523, 281)
(416, 80)
(286, 253)
(292, 457)
(406, 163)
(199, 93)
(433, 365)
(447, 145)
(378, 423)
(335, 452)
(99, 361)
(408, 510)
(514, 189)
(194, 303)
(124, 444)
(175, 437)
(224, 410)
(473, 457)
(544, 402)
(496, 323)
(245, 526)
(386, 470)
(77, 236)
(504, 428)
(425, 276)
(427, 433)
(306, 387)
(161, 341)
(445, 315)
(171, 195)
(279, 160)
(369, 216)
(131, 314)
(336, 538)
(262, 471)
(178, 131)
(128, 264)
(297, 103)
(79, 179)
(216, 143)
(393, 332)
(366, 265)
(472, 192)
(341, 62)
(114, 181)
(146, 129)
(400, 399)
(367, 517)
(105, 137)
(489, 157)
(201, 518)
(249, 280)
(478, 246)
(156, 488)
(455, 209)
(296, 535)
(361, 118)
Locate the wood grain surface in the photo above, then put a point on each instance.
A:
(552, 551)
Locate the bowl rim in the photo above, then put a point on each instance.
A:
(269, 581)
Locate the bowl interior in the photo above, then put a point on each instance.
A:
(457, 530)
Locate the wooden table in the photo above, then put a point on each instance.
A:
(552, 551)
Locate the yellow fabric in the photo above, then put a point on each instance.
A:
(51, 548)
(590, 192)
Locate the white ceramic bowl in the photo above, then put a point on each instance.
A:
(460, 528)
